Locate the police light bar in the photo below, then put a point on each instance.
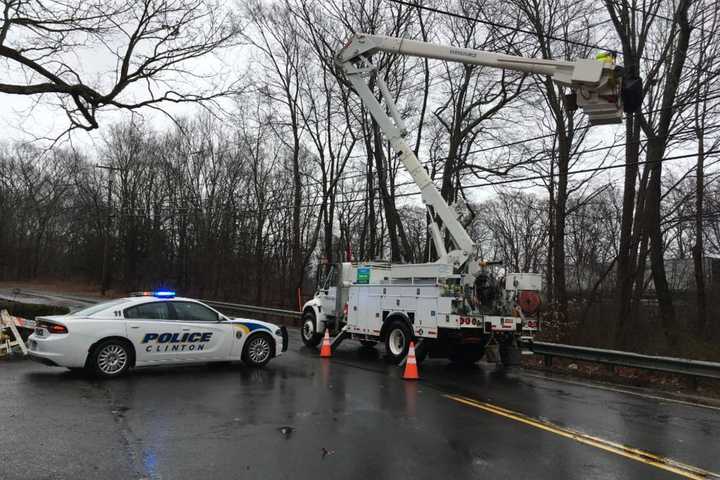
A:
(164, 294)
(157, 293)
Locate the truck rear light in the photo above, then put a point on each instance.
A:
(52, 327)
(345, 310)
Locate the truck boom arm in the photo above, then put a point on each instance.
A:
(597, 84)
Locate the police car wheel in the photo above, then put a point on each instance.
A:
(258, 350)
(309, 334)
(111, 358)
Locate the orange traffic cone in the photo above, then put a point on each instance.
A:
(411, 369)
(325, 349)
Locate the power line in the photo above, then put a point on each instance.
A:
(478, 185)
(495, 24)
(498, 182)
(513, 143)
(520, 164)
(572, 172)
(528, 32)
(522, 141)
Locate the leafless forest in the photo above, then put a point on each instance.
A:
(280, 170)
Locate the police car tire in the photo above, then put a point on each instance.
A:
(246, 350)
(310, 341)
(95, 368)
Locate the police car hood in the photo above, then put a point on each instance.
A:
(253, 325)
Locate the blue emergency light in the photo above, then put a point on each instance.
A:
(164, 294)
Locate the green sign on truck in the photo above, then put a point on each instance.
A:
(363, 275)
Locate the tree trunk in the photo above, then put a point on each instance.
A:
(550, 287)
(297, 266)
(379, 156)
(657, 248)
(698, 249)
(628, 247)
(559, 224)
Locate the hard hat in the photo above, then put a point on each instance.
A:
(605, 57)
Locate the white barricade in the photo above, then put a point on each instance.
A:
(11, 324)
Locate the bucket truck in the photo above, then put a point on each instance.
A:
(456, 306)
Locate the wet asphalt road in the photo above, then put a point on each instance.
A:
(349, 417)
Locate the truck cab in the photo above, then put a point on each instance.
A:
(322, 311)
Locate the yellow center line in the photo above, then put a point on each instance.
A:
(667, 464)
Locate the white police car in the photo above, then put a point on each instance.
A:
(151, 328)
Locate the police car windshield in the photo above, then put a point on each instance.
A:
(85, 312)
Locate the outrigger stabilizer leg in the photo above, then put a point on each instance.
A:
(339, 338)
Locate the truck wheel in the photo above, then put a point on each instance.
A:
(467, 354)
(397, 340)
(510, 354)
(257, 350)
(110, 359)
(309, 334)
(420, 355)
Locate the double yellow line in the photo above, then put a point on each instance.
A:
(687, 471)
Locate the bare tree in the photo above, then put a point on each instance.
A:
(705, 114)
(154, 45)
(640, 36)
(518, 226)
(557, 34)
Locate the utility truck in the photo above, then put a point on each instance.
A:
(457, 306)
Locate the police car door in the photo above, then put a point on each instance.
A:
(209, 335)
(150, 329)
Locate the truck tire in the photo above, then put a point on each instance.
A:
(467, 354)
(397, 340)
(310, 337)
(420, 354)
(510, 354)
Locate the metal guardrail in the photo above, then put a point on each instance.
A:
(693, 368)
(253, 309)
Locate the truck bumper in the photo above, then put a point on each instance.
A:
(493, 323)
